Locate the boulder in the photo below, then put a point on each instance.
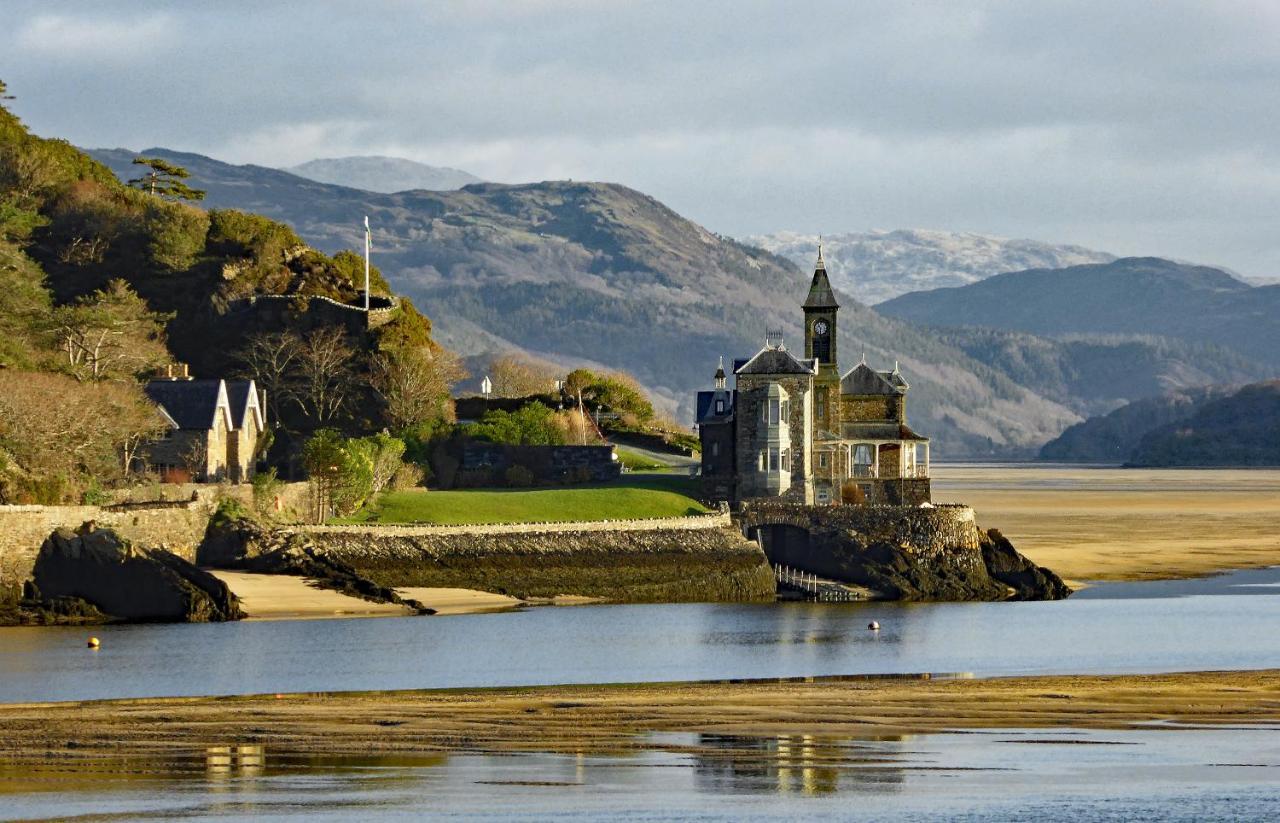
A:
(127, 582)
(1028, 581)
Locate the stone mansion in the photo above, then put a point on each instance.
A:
(795, 428)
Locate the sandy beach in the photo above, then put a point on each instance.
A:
(617, 718)
(281, 597)
(1125, 524)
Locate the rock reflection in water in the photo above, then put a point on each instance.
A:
(802, 764)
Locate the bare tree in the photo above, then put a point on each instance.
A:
(110, 334)
(324, 377)
(415, 384)
(520, 377)
(270, 358)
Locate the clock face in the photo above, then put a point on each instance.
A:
(820, 327)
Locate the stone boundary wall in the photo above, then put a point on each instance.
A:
(175, 525)
(696, 522)
(924, 528)
(378, 315)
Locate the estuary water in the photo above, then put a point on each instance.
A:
(1006, 774)
(1226, 622)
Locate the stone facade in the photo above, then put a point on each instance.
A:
(214, 426)
(801, 432)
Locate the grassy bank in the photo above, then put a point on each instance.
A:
(639, 496)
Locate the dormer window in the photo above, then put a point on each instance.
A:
(719, 405)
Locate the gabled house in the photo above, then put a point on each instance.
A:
(214, 426)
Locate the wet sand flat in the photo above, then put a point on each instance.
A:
(616, 718)
(1125, 524)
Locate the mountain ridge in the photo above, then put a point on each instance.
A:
(877, 265)
(1133, 295)
(383, 174)
(601, 273)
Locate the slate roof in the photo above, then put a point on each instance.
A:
(191, 404)
(862, 379)
(821, 295)
(238, 394)
(880, 431)
(770, 360)
(706, 406)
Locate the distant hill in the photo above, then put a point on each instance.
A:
(1241, 429)
(382, 174)
(1113, 437)
(875, 266)
(595, 273)
(1133, 295)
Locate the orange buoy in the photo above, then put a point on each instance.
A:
(94, 643)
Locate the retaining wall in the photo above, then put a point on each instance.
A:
(173, 521)
(674, 559)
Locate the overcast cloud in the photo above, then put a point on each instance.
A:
(1137, 128)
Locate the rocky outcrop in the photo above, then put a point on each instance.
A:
(1028, 581)
(245, 545)
(125, 582)
(899, 552)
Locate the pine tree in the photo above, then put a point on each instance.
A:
(165, 179)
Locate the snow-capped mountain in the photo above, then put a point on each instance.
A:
(875, 266)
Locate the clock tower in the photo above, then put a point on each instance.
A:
(820, 309)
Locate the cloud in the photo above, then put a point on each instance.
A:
(1125, 125)
(65, 38)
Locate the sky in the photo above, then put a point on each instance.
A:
(1130, 127)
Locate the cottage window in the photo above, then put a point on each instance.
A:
(774, 411)
(773, 459)
(719, 405)
(786, 410)
(764, 461)
(786, 460)
(823, 460)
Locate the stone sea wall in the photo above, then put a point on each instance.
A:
(676, 559)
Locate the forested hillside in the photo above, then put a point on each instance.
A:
(1240, 429)
(102, 282)
(1134, 295)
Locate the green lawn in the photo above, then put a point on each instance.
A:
(638, 462)
(631, 497)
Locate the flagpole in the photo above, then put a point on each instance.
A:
(366, 263)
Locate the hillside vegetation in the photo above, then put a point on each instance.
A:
(1134, 295)
(1241, 429)
(102, 282)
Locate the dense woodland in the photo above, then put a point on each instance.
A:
(102, 282)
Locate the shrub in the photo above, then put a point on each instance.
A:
(531, 425)
(228, 511)
(265, 488)
(518, 477)
(408, 476)
(175, 233)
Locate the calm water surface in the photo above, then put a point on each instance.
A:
(1228, 622)
(1006, 774)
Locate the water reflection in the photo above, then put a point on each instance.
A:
(799, 764)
